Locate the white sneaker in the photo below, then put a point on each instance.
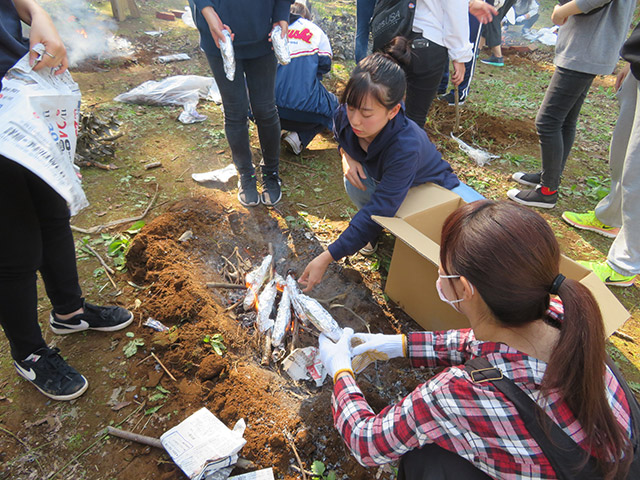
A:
(293, 140)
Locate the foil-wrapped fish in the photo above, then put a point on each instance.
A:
(254, 281)
(228, 56)
(309, 309)
(265, 303)
(283, 317)
(280, 46)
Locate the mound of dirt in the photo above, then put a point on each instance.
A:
(236, 385)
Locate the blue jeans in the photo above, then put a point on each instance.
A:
(361, 197)
(364, 12)
(253, 84)
(557, 119)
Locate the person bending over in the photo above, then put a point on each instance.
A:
(523, 393)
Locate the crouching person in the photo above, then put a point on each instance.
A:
(523, 393)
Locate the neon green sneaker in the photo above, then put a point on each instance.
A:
(589, 221)
(608, 275)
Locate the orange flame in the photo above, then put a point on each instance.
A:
(82, 32)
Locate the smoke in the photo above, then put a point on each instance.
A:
(86, 32)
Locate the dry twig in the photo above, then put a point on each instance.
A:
(163, 367)
(99, 228)
(289, 438)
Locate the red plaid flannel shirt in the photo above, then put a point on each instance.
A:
(476, 421)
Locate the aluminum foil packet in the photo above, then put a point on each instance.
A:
(283, 317)
(228, 56)
(266, 300)
(157, 325)
(294, 292)
(280, 46)
(254, 281)
(309, 310)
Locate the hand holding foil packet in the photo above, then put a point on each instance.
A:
(228, 57)
(280, 46)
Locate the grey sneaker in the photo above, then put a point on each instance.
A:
(248, 191)
(94, 317)
(271, 191)
(493, 60)
(369, 249)
(50, 374)
(528, 179)
(533, 198)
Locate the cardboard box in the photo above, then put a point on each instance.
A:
(416, 256)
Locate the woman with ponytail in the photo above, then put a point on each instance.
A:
(383, 155)
(525, 392)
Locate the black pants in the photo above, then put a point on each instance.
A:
(428, 61)
(35, 236)
(433, 462)
(492, 31)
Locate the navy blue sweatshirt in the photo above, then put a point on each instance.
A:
(12, 46)
(400, 157)
(250, 20)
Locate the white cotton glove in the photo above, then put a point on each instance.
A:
(376, 346)
(336, 357)
(520, 18)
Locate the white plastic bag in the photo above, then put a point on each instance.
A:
(479, 156)
(39, 114)
(176, 90)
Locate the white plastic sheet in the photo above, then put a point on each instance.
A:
(39, 114)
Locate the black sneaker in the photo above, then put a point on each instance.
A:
(528, 179)
(103, 319)
(493, 60)
(50, 374)
(450, 98)
(248, 191)
(271, 191)
(533, 198)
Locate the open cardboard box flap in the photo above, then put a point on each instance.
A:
(414, 265)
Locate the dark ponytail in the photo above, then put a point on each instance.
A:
(378, 75)
(511, 256)
(400, 50)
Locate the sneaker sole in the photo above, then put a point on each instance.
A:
(293, 146)
(493, 64)
(604, 233)
(523, 182)
(626, 283)
(71, 396)
(84, 326)
(453, 104)
(512, 195)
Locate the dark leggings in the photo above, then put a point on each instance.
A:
(428, 61)
(36, 235)
(557, 119)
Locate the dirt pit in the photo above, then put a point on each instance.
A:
(173, 274)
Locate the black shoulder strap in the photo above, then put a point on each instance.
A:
(566, 457)
(634, 409)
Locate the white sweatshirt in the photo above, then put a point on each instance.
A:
(445, 22)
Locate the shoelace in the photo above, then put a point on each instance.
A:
(52, 362)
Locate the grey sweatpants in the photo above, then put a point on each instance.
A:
(621, 208)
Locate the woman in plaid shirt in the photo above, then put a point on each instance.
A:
(498, 266)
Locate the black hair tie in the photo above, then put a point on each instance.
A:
(555, 286)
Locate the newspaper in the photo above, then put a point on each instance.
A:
(202, 444)
(264, 474)
(39, 114)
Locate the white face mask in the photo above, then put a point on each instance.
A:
(441, 293)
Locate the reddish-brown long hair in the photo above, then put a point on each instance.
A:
(511, 256)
